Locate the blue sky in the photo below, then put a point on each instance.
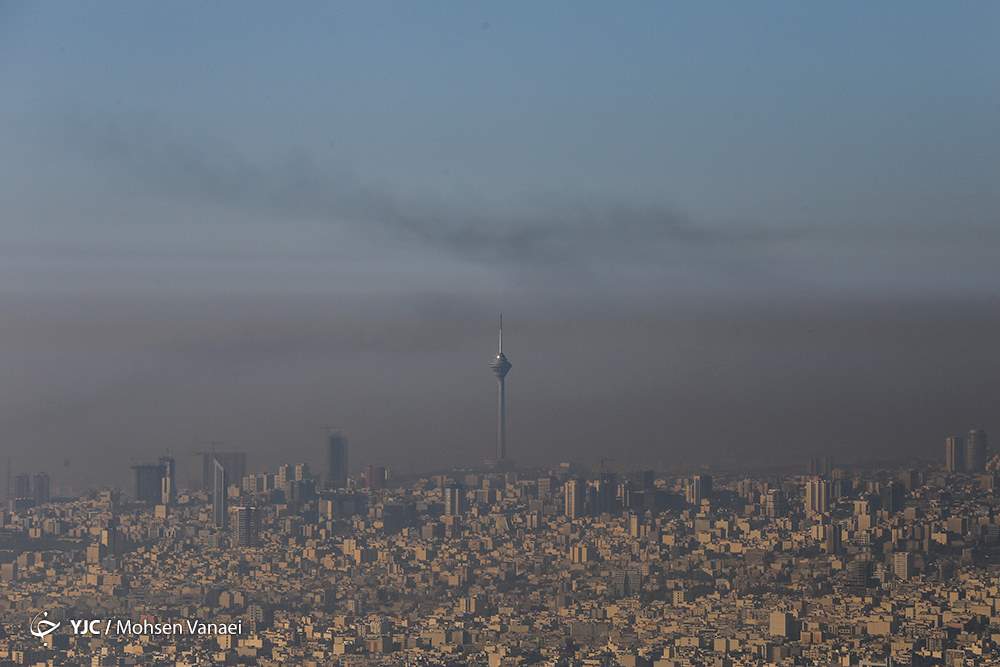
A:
(845, 115)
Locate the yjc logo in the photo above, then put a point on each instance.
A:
(85, 627)
(41, 627)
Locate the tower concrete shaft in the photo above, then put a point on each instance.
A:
(501, 419)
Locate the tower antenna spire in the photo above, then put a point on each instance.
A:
(500, 338)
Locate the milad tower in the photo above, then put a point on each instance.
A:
(501, 366)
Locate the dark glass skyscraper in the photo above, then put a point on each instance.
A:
(975, 451)
(147, 482)
(235, 464)
(246, 526)
(954, 454)
(40, 488)
(336, 460)
(218, 494)
(22, 486)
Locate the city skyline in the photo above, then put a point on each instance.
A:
(155, 484)
(825, 565)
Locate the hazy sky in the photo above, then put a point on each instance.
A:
(718, 230)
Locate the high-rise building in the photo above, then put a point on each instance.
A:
(821, 466)
(168, 480)
(902, 564)
(976, 447)
(817, 496)
(892, 496)
(842, 486)
(635, 525)
(283, 476)
(774, 504)
(698, 488)
(245, 526)
(453, 500)
(579, 553)
(954, 453)
(859, 573)
(910, 478)
(22, 486)
(625, 582)
(146, 478)
(219, 494)
(783, 624)
(40, 488)
(624, 495)
(336, 460)
(257, 483)
(831, 538)
(573, 501)
(299, 490)
(110, 536)
(235, 464)
(647, 480)
(604, 493)
(258, 617)
(375, 477)
(501, 366)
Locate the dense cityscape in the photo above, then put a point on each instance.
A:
(847, 565)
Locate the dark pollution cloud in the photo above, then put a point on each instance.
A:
(296, 185)
(286, 199)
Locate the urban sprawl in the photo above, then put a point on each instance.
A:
(850, 565)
